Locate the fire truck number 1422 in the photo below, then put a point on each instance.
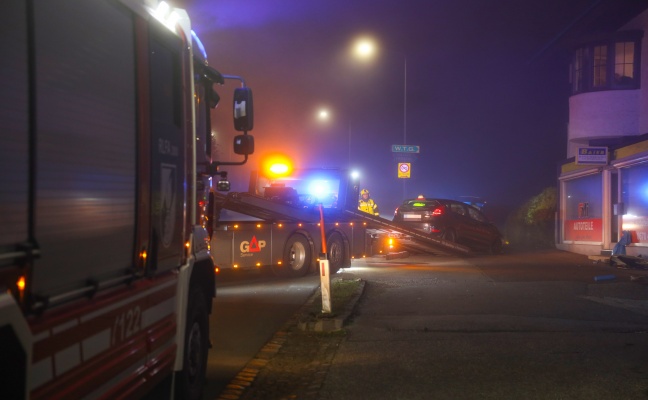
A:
(126, 324)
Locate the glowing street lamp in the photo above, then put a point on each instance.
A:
(364, 48)
(323, 114)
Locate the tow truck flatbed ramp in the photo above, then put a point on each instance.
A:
(413, 238)
(273, 211)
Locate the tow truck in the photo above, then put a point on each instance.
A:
(276, 224)
(106, 279)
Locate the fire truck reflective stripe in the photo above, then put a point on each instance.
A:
(42, 371)
(64, 327)
(89, 316)
(132, 385)
(82, 381)
(129, 329)
(118, 318)
(40, 336)
(158, 312)
(101, 304)
(107, 388)
(162, 335)
(67, 359)
(128, 363)
(95, 344)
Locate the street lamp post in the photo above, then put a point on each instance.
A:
(364, 49)
(405, 118)
(405, 101)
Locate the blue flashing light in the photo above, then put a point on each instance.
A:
(319, 189)
(199, 44)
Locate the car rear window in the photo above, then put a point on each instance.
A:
(421, 203)
(458, 208)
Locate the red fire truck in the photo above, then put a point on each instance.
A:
(106, 276)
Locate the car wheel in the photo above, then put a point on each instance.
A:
(297, 256)
(335, 252)
(449, 235)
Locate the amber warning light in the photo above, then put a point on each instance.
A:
(277, 165)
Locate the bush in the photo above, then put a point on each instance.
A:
(532, 225)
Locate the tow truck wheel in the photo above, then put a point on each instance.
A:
(190, 381)
(335, 253)
(297, 256)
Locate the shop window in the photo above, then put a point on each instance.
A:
(584, 208)
(634, 195)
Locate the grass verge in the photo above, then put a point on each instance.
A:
(342, 293)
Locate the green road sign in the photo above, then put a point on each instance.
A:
(406, 148)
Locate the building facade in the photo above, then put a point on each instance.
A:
(603, 185)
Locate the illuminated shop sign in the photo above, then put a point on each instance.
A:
(592, 156)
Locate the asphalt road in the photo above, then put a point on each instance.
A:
(524, 325)
(516, 326)
(249, 308)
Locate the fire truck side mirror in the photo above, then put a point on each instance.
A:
(243, 110)
(244, 144)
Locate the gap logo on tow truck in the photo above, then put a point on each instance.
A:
(253, 246)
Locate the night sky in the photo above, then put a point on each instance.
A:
(485, 102)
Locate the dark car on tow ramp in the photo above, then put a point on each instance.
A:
(450, 220)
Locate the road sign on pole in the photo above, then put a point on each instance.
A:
(406, 148)
(404, 170)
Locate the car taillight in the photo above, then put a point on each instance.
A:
(437, 211)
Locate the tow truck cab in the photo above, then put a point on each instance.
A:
(335, 189)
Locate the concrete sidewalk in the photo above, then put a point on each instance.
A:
(447, 328)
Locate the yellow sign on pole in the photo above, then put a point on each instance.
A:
(404, 170)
